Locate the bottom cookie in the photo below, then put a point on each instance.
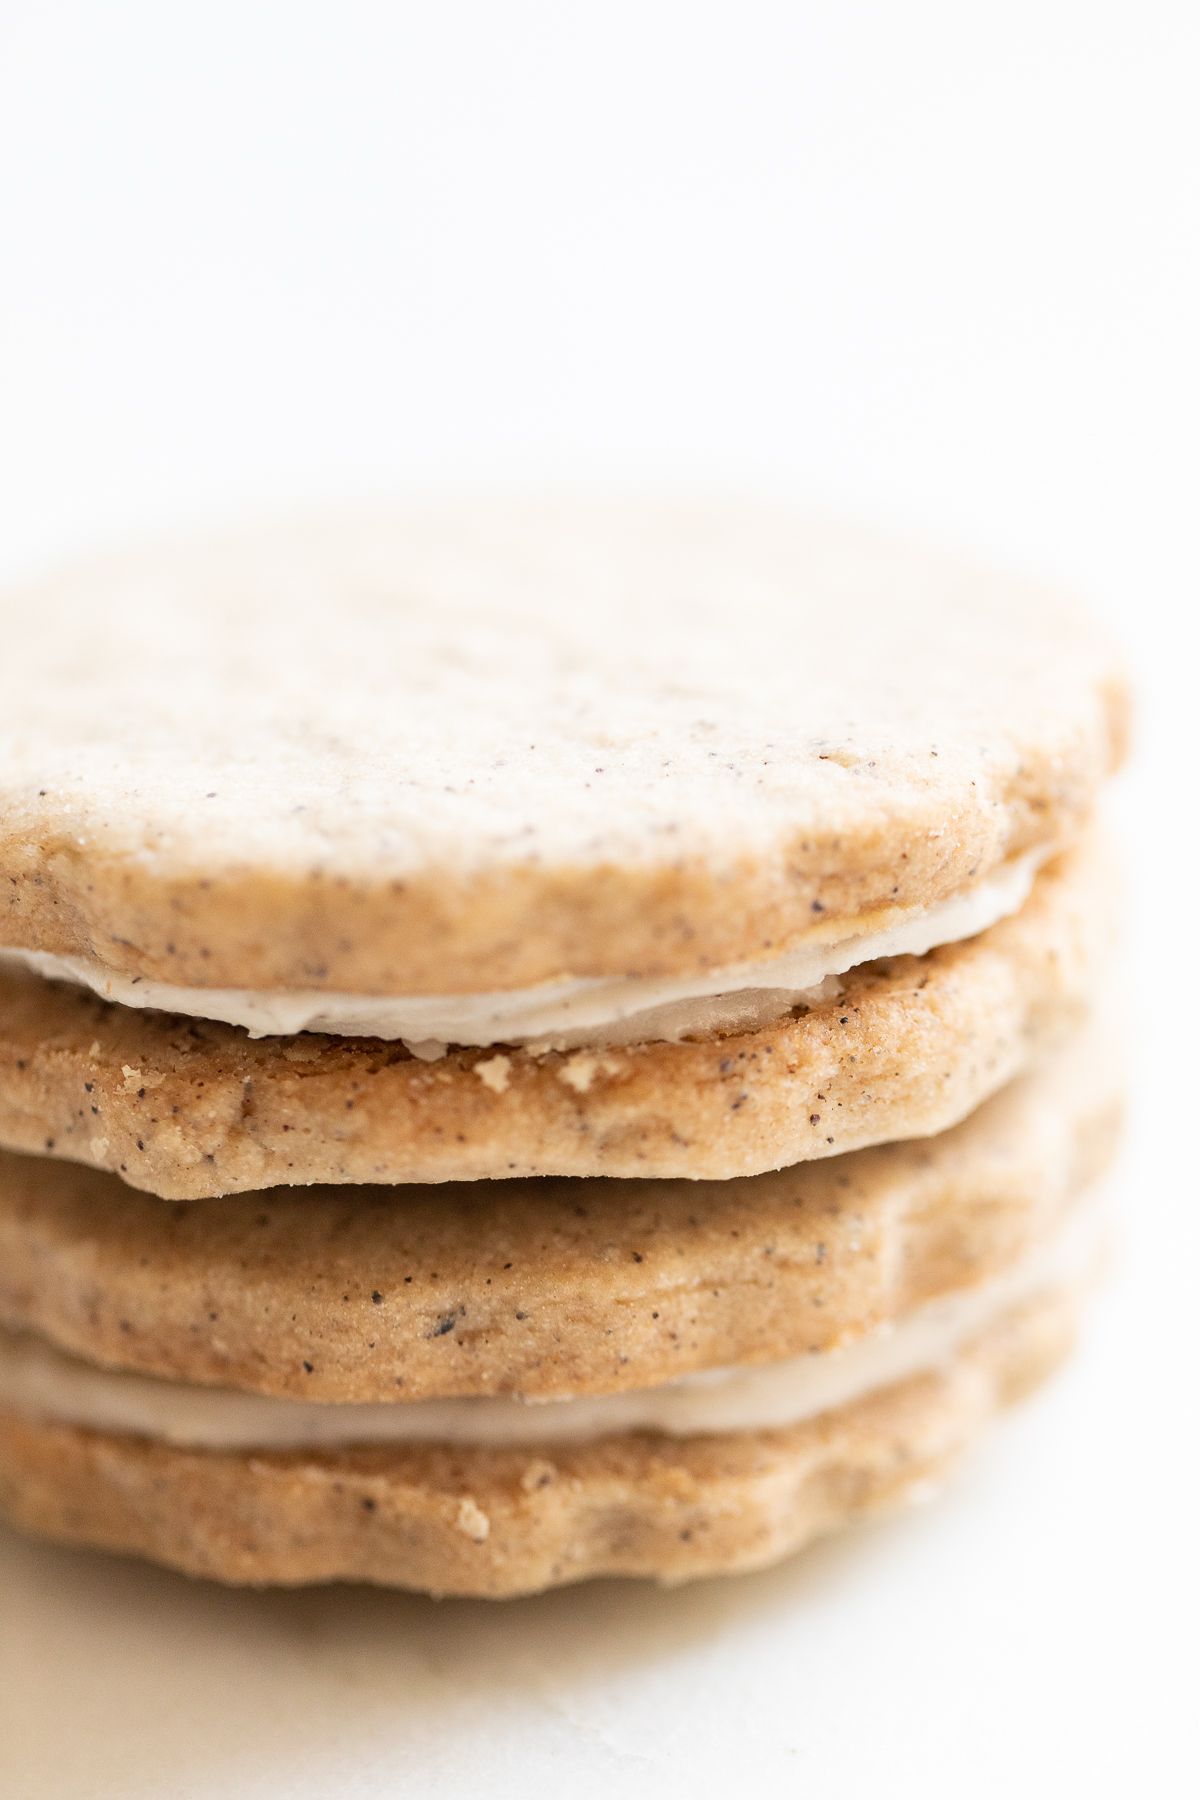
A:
(492, 1522)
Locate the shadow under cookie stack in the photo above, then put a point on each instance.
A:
(537, 1040)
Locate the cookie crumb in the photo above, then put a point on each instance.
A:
(494, 1072)
(472, 1521)
(537, 1475)
(133, 1079)
(581, 1070)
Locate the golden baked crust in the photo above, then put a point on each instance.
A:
(187, 1109)
(543, 1288)
(453, 749)
(495, 1523)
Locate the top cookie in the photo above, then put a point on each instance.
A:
(458, 748)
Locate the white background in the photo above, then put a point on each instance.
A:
(930, 262)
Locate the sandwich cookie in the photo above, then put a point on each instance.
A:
(489, 1390)
(496, 1522)
(742, 860)
(577, 838)
(898, 1047)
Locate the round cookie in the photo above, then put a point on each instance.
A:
(545, 1288)
(457, 748)
(492, 1522)
(907, 1046)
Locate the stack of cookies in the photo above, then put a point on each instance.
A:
(537, 1041)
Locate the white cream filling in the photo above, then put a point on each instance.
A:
(571, 1013)
(38, 1380)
